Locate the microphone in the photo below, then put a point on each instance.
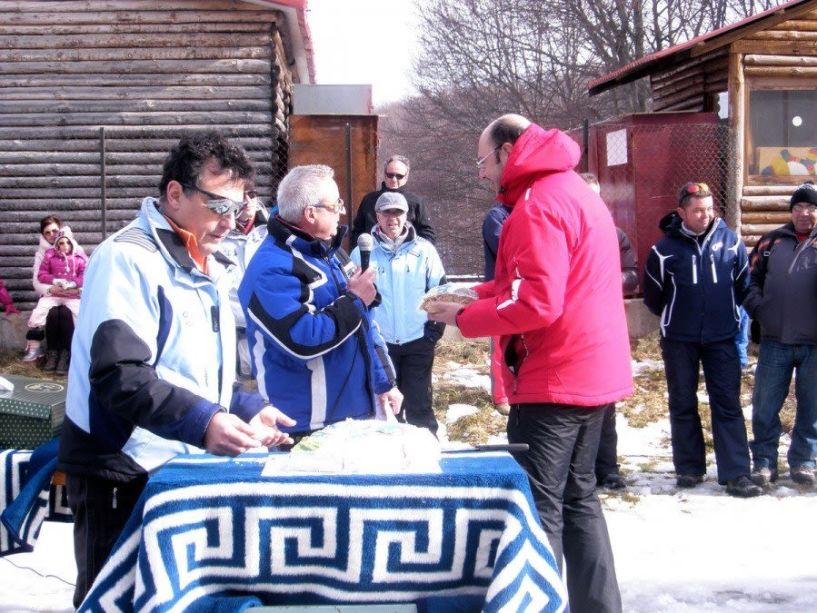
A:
(365, 242)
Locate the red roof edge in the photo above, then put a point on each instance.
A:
(641, 67)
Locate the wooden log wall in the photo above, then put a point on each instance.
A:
(687, 86)
(783, 54)
(142, 72)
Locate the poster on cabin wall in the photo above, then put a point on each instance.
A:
(617, 147)
(777, 161)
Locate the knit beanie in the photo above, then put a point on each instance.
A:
(805, 193)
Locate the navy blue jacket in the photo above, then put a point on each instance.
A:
(491, 228)
(696, 288)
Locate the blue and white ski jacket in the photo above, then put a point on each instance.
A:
(316, 353)
(147, 359)
(694, 287)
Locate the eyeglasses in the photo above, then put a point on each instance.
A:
(220, 205)
(804, 208)
(482, 160)
(335, 207)
(395, 175)
(391, 212)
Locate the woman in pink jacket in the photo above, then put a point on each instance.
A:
(62, 266)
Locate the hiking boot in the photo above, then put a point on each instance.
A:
(688, 481)
(51, 359)
(803, 475)
(62, 362)
(34, 351)
(742, 487)
(763, 476)
(613, 481)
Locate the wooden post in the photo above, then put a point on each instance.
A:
(102, 173)
(737, 127)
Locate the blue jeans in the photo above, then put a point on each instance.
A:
(775, 365)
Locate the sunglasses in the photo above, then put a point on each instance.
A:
(395, 175)
(335, 207)
(220, 205)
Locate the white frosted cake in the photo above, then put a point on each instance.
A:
(366, 446)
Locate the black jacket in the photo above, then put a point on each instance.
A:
(365, 219)
(696, 287)
(783, 292)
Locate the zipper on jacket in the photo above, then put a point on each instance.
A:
(694, 270)
(714, 270)
(113, 497)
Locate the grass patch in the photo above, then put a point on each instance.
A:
(474, 429)
(11, 363)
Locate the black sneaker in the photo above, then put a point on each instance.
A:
(688, 481)
(742, 487)
(803, 475)
(613, 481)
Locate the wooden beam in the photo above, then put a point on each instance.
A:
(754, 59)
(136, 41)
(113, 6)
(169, 18)
(768, 190)
(784, 35)
(101, 105)
(737, 112)
(137, 67)
(169, 79)
(211, 118)
(781, 71)
(736, 35)
(753, 218)
(132, 132)
(799, 25)
(775, 47)
(766, 203)
(52, 29)
(144, 94)
(127, 54)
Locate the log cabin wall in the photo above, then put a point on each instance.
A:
(105, 88)
(781, 55)
(692, 85)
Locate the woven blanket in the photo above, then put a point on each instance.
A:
(209, 529)
(27, 497)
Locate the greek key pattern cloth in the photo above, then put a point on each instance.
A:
(28, 497)
(212, 533)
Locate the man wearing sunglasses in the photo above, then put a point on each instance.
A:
(395, 177)
(152, 359)
(695, 278)
(315, 351)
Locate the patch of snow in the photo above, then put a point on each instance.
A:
(458, 411)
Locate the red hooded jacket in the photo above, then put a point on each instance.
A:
(556, 300)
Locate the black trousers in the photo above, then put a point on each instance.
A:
(59, 328)
(101, 508)
(412, 363)
(563, 441)
(721, 366)
(607, 458)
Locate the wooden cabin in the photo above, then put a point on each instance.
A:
(93, 94)
(763, 72)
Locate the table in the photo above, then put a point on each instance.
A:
(212, 532)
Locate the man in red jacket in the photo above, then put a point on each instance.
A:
(556, 304)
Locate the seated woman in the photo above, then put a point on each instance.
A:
(59, 323)
(64, 268)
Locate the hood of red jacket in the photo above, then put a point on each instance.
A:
(537, 152)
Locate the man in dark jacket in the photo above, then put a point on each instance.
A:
(695, 278)
(782, 299)
(607, 468)
(395, 177)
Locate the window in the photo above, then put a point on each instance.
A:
(782, 134)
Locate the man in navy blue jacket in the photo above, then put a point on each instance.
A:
(695, 279)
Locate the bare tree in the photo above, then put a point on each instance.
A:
(483, 58)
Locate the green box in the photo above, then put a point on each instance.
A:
(32, 413)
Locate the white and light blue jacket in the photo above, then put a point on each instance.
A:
(148, 353)
(405, 272)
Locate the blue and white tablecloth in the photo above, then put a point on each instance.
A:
(28, 497)
(212, 533)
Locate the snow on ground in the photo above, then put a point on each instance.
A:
(677, 551)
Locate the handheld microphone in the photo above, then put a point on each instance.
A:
(365, 242)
